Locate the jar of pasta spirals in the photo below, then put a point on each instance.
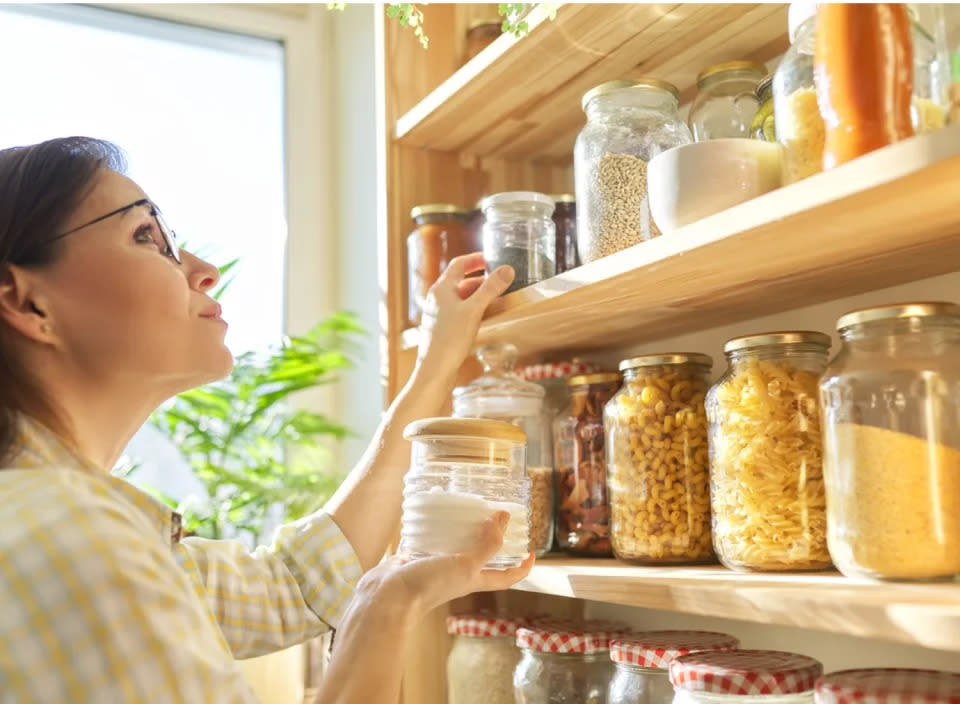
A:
(766, 454)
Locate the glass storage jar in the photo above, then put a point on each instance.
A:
(642, 661)
(440, 235)
(480, 35)
(891, 400)
(501, 394)
(518, 230)
(888, 686)
(583, 510)
(764, 123)
(744, 677)
(462, 470)
(657, 461)
(766, 461)
(565, 221)
(628, 123)
(565, 662)
(482, 659)
(726, 101)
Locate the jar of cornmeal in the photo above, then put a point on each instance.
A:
(462, 471)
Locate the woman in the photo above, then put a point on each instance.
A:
(102, 318)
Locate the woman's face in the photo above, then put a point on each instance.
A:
(122, 309)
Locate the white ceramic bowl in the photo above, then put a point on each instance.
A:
(690, 182)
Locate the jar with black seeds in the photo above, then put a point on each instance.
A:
(519, 231)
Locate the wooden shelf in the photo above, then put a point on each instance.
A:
(885, 219)
(521, 98)
(921, 614)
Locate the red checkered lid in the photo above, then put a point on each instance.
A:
(562, 636)
(889, 686)
(557, 370)
(484, 625)
(745, 672)
(658, 648)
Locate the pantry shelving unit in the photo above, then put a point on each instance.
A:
(507, 121)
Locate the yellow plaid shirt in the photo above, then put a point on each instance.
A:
(101, 601)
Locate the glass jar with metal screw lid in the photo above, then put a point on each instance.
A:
(518, 230)
(439, 236)
(744, 677)
(565, 220)
(764, 123)
(483, 658)
(628, 123)
(726, 101)
(882, 685)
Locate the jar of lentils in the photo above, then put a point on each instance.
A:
(744, 677)
(657, 460)
(482, 660)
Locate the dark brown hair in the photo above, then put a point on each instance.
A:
(40, 187)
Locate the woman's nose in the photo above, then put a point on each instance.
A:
(201, 274)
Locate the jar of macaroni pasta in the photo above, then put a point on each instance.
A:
(766, 453)
(657, 460)
(888, 686)
(744, 677)
(891, 400)
(642, 661)
(482, 660)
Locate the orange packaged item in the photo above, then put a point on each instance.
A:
(863, 63)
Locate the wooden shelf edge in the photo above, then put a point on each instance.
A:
(919, 614)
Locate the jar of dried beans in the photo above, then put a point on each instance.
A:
(657, 460)
(766, 466)
(583, 513)
(628, 123)
(482, 660)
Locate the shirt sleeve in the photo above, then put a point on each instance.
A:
(277, 596)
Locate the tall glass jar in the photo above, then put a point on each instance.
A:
(764, 123)
(657, 460)
(440, 235)
(766, 461)
(891, 400)
(583, 511)
(502, 395)
(726, 101)
(462, 470)
(642, 661)
(565, 220)
(518, 230)
(883, 685)
(744, 677)
(628, 123)
(482, 660)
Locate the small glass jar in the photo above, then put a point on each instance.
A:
(480, 35)
(766, 462)
(891, 400)
(518, 230)
(764, 123)
(888, 686)
(657, 460)
(501, 394)
(439, 236)
(482, 659)
(628, 123)
(565, 220)
(642, 661)
(565, 663)
(744, 677)
(462, 470)
(726, 101)
(583, 511)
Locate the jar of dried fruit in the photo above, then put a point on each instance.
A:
(891, 399)
(657, 460)
(628, 123)
(766, 460)
(583, 512)
(440, 235)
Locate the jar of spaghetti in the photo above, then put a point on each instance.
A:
(440, 235)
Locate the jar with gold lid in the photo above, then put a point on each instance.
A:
(440, 234)
(726, 101)
(764, 124)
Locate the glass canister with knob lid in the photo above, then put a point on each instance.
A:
(726, 101)
(744, 677)
(518, 230)
(891, 400)
(501, 394)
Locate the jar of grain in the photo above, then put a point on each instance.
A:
(726, 101)
(583, 512)
(482, 659)
(744, 677)
(440, 235)
(501, 394)
(642, 661)
(891, 399)
(888, 686)
(518, 230)
(565, 221)
(764, 125)
(766, 469)
(657, 460)
(628, 123)
(463, 470)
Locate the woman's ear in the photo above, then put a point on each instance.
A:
(20, 308)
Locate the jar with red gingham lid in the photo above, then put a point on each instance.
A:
(642, 660)
(482, 660)
(565, 662)
(889, 686)
(744, 677)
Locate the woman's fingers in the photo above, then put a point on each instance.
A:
(490, 542)
(494, 285)
(469, 286)
(495, 580)
(459, 267)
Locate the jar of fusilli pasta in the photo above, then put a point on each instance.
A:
(766, 454)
